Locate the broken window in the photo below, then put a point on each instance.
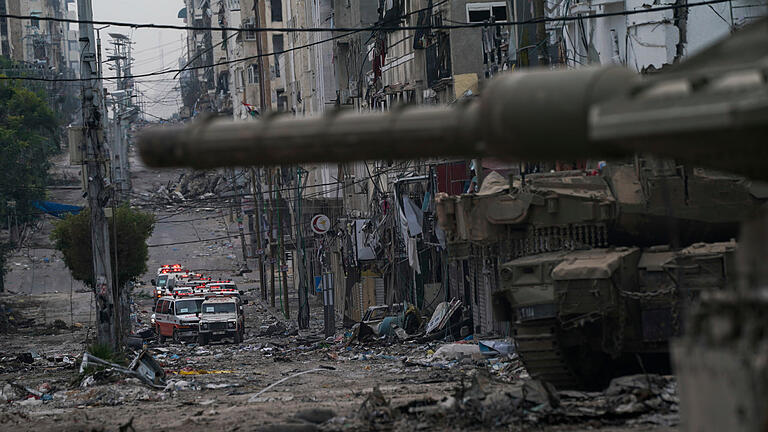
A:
(249, 34)
(439, 60)
(277, 48)
(253, 73)
(276, 7)
(492, 11)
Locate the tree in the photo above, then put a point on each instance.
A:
(72, 236)
(28, 134)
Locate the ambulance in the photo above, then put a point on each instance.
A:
(165, 275)
(177, 318)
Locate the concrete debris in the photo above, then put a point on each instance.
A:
(315, 415)
(487, 403)
(376, 409)
(200, 185)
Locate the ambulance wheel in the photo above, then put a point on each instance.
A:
(202, 339)
(238, 337)
(160, 337)
(176, 336)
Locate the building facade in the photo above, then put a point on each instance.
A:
(385, 245)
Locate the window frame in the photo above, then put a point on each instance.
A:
(272, 10)
(486, 6)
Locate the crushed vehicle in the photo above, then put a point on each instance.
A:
(177, 317)
(384, 319)
(221, 318)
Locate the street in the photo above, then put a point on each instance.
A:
(221, 385)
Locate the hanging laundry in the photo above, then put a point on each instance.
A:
(414, 216)
(413, 254)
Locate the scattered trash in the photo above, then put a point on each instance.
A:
(143, 367)
(443, 313)
(496, 347)
(177, 385)
(199, 372)
(456, 351)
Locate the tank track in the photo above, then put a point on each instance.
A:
(539, 348)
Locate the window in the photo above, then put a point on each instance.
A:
(253, 73)
(234, 5)
(188, 306)
(239, 80)
(282, 101)
(481, 12)
(276, 6)
(277, 47)
(219, 308)
(35, 23)
(164, 309)
(250, 34)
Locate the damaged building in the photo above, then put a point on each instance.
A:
(385, 244)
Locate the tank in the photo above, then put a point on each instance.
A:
(600, 266)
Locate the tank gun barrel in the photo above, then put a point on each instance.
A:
(337, 136)
(509, 112)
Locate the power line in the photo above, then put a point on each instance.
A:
(460, 25)
(167, 71)
(350, 31)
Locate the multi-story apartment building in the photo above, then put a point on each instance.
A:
(49, 45)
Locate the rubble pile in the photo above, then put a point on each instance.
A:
(356, 380)
(485, 404)
(198, 185)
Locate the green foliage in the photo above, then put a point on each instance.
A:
(28, 135)
(105, 352)
(72, 236)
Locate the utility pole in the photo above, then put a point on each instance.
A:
(265, 103)
(258, 213)
(281, 253)
(239, 215)
(301, 276)
(106, 330)
(271, 241)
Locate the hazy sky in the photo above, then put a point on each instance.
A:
(153, 49)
